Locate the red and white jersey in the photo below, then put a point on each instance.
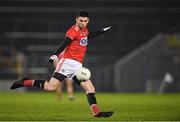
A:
(77, 48)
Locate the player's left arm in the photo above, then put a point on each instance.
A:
(96, 33)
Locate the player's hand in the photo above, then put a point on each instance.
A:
(106, 28)
(53, 58)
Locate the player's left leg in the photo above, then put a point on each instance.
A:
(90, 92)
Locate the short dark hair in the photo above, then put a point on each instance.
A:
(82, 13)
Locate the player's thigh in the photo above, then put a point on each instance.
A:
(88, 86)
(52, 85)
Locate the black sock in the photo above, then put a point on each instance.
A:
(39, 83)
(91, 98)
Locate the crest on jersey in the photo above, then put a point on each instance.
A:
(84, 41)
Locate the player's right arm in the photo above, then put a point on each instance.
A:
(70, 35)
(62, 46)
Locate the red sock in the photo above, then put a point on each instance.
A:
(95, 109)
(28, 83)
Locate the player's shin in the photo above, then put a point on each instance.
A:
(34, 83)
(93, 104)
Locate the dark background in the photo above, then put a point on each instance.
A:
(36, 27)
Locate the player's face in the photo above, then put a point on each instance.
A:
(82, 21)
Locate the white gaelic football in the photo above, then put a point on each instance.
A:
(83, 74)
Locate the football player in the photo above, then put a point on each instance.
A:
(74, 46)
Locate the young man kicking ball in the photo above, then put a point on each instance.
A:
(74, 47)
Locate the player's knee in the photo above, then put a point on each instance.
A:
(50, 88)
(93, 90)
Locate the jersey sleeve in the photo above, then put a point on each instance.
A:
(71, 34)
(94, 33)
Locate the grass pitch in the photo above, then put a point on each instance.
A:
(46, 107)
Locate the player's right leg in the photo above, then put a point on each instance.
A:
(43, 84)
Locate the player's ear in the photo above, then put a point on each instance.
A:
(88, 20)
(76, 19)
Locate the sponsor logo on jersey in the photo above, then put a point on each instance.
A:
(84, 41)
